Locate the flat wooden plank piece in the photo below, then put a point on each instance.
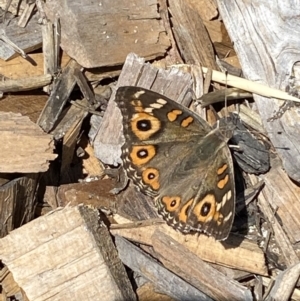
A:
(25, 147)
(28, 38)
(236, 252)
(66, 255)
(106, 32)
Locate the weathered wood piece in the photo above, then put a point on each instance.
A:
(134, 205)
(280, 236)
(92, 166)
(106, 33)
(17, 202)
(236, 252)
(58, 98)
(25, 147)
(15, 6)
(28, 38)
(164, 280)
(94, 193)
(71, 117)
(20, 104)
(285, 284)
(284, 197)
(74, 254)
(147, 292)
(191, 35)
(71, 135)
(265, 58)
(173, 83)
(27, 13)
(19, 68)
(25, 84)
(10, 289)
(49, 49)
(84, 87)
(192, 269)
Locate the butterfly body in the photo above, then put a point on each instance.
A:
(173, 155)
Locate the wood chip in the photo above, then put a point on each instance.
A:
(26, 148)
(97, 26)
(66, 255)
(18, 202)
(285, 284)
(59, 96)
(25, 83)
(163, 279)
(201, 275)
(286, 205)
(236, 252)
(28, 38)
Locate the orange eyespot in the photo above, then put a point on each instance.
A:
(142, 154)
(206, 208)
(150, 176)
(171, 202)
(144, 125)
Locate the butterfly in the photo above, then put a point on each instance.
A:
(173, 155)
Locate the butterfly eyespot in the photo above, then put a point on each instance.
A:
(142, 154)
(205, 209)
(151, 177)
(171, 203)
(143, 125)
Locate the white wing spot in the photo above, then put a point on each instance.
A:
(138, 94)
(156, 105)
(161, 101)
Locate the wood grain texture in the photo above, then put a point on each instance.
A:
(25, 83)
(195, 271)
(191, 35)
(66, 255)
(106, 32)
(58, 98)
(18, 68)
(25, 147)
(236, 252)
(287, 204)
(28, 38)
(17, 202)
(264, 39)
(15, 6)
(165, 281)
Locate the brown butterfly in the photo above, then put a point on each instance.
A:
(173, 155)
